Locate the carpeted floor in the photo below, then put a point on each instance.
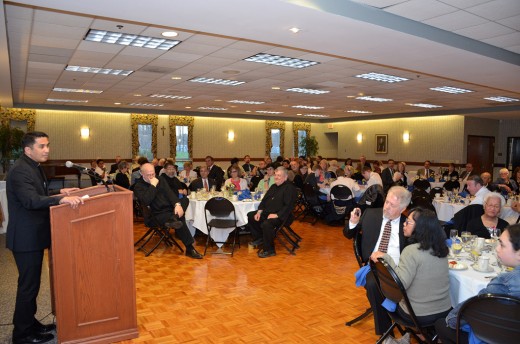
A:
(9, 276)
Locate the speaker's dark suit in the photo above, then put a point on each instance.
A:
(28, 235)
(199, 184)
(217, 174)
(370, 223)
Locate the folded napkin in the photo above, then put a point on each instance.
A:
(463, 194)
(389, 305)
(245, 194)
(410, 188)
(431, 179)
(472, 339)
(448, 242)
(361, 276)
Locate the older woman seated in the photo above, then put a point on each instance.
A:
(487, 224)
(423, 267)
(235, 181)
(122, 177)
(187, 174)
(505, 183)
(450, 173)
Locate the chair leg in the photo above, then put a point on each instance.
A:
(386, 334)
(207, 240)
(148, 232)
(170, 240)
(359, 318)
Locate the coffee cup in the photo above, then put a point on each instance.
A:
(483, 263)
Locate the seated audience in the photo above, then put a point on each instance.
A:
(165, 205)
(274, 209)
(450, 173)
(487, 182)
(400, 176)
(235, 181)
(506, 283)
(294, 169)
(468, 171)
(169, 176)
(265, 183)
(486, 225)
(115, 166)
(188, 174)
(348, 162)
(101, 169)
(326, 174)
(504, 183)
(316, 180)
(344, 179)
(95, 178)
(136, 172)
(426, 172)
(235, 161)
(372, 178)
(423, 268)
(215, 172)
(204, 182)
(476, 188)
(122, 177)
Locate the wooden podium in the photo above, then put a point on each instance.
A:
(92, 268)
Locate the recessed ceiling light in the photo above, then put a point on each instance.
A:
(95, 70)
(298, 114)
(502, 99)
(168, 96)
(212, 108)
(294, 30)
(217, 81)
(117, 103)
(187, 107)
(169, 34)
(275, 88)
(270, 112)
(176, 78)
(358, 111)
(283, 61)
(306, 90)
(308, 107)
(449, 89)
(217, 100)
(76, 90)
(381, 77)
(66, 100)
(252, 102)
(146, 104)
(375, 99)
(248, 110)
(314, 115)
(427, 106)
(127, 39)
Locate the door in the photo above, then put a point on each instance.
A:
(480, 152)
(513, 152)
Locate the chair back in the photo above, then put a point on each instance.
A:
(219, 207)
(340, 192)
(373, 197)
(493, 318)
(342, 199)
(149, 218)
(436, 190)
(311, 196)
(358, 251)
(466, 214)
(423, 202)
(451, 185)
(422, 184)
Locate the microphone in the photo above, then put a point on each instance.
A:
(69, 164)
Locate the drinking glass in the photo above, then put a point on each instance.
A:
(453, 235)
(466, 239)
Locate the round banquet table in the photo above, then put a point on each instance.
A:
(196, 219)
(446, 210)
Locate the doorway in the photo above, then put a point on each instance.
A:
(481, 152)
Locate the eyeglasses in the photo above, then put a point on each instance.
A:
(408, 222)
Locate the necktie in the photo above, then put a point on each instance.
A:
(383, 245)
(206, 184)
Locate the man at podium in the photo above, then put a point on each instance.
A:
(165, 205)
(29, 233)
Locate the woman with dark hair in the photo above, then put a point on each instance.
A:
(423, 267)
(301, 176)
(235, 182)
(122, 177)
(506, 283)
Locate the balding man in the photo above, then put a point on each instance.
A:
(165, 206)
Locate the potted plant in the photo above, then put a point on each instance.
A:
(10, 145)
(309, 145)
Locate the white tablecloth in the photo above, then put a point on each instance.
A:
(196, 219)
(446, 210)
(3, 202)
(357, 194)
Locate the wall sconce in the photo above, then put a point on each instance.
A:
(85, 133)
(359, 138)
(406, 137)
(231, 136)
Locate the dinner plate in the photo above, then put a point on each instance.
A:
(458, 266)
(476, 268)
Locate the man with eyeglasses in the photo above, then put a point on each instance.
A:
(382, 230)
(165, 206)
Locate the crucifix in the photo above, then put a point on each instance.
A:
(163, 128)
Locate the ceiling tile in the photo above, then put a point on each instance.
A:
(484, 31)
(497, 9)
(420, 9)
(455, 21)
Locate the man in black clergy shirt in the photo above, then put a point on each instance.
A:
(276, 206)
(165, 205)
(29, 232)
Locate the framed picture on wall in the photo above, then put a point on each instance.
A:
(381, 143)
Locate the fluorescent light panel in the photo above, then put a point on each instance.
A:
(358, 111)
(427, 106)
(76, 90)
(283, 61)
(212, 108)
(381, 77)
(449, 89)
(96, 70)
(308, 107)
(66, 100)
(306, 90)
(375, 99)
(217, 81)
(146, 104)
(502, 99)
(127, 39)
(168, 96)
(270, 112)
(251, 102)
(314, 115)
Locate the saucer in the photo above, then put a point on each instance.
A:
(476, 268)
(458, 266)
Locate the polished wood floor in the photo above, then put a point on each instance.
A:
(304, 298)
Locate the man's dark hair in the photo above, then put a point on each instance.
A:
(168, 164)
(367, 168)
(142, 160)
(99, 160)
(29, 139)
(476, 178)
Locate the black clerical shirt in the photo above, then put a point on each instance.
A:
(279, 200)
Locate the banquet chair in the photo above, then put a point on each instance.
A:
(451, 185)
(359, 258)
(342, 203)
(373, 197)
(462, 217)
(221, 215)
(287, 236)
(493, 318)
(392, 288)
(422, 184)
(155, 230)
(423, 202)
(436, 190)
(313, 205)
(299, 206)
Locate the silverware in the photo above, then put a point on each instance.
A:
(492, 276)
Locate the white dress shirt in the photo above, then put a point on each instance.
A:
(393, 245)
(479, 196)
(375, 178)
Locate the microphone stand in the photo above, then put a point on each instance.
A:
(98, 179)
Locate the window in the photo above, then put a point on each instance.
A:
(145, 140)
(275, 147)
(181, 151)
(302, 134)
